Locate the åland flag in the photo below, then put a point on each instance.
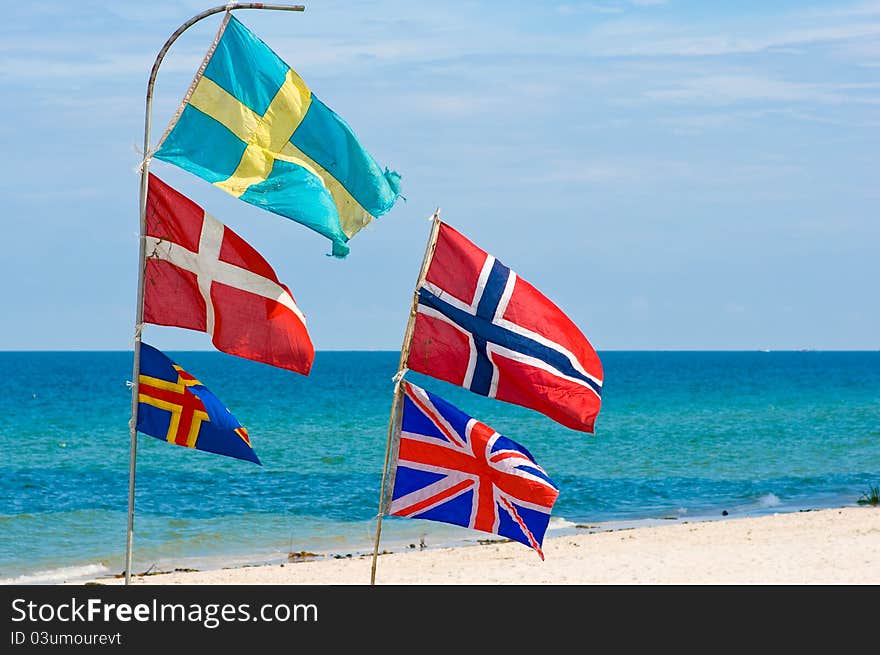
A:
(481, 326)
(177, 408)
(251, 126)
(201, 275)
(449, 467)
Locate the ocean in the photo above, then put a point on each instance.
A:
(681, 436)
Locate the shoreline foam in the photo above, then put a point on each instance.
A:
(825, 546)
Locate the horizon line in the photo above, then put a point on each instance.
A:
(379, 350)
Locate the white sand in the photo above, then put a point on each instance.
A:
(833, 546)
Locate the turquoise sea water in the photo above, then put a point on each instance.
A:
(681, 436)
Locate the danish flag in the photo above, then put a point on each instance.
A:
(452, 468)
(481, 326)
(202, 276)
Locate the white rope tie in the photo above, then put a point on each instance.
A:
(145, 158)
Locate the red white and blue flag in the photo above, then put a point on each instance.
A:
(450, 467)
(202, 276)
(481, 326)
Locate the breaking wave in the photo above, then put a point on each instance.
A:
(52, 576)
(769, 500)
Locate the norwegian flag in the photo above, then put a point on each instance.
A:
(450, 467)
(202, 276)
(481, 326)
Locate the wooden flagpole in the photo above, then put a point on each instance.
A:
(139, 319)
(398, 378)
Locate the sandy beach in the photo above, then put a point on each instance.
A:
(818, 547)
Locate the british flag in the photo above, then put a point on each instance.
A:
(481, 326)
(451, 468)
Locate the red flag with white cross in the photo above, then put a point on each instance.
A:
(200, 275)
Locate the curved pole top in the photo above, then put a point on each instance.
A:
(139, 320)
(210, 12)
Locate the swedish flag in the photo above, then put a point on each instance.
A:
(251, 126)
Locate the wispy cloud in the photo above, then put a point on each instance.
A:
(427, 35)
(617, 170)
(702, 122)
(609, 7)
(736, 88)
(638, 171)
(588, 7)
(838, 10)
(628, 38)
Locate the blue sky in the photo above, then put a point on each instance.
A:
(675, 175)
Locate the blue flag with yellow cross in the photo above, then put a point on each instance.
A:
(175, 407)
(250, 126)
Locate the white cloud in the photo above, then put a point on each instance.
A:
(690, 124)
(620, 170)
(859, 9)
(588, 7)
(735, 88)
(654, 39)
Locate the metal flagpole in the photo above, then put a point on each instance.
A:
(139, 320)
(398, 378)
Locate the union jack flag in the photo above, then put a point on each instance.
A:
(481, 326)
(451, 468)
